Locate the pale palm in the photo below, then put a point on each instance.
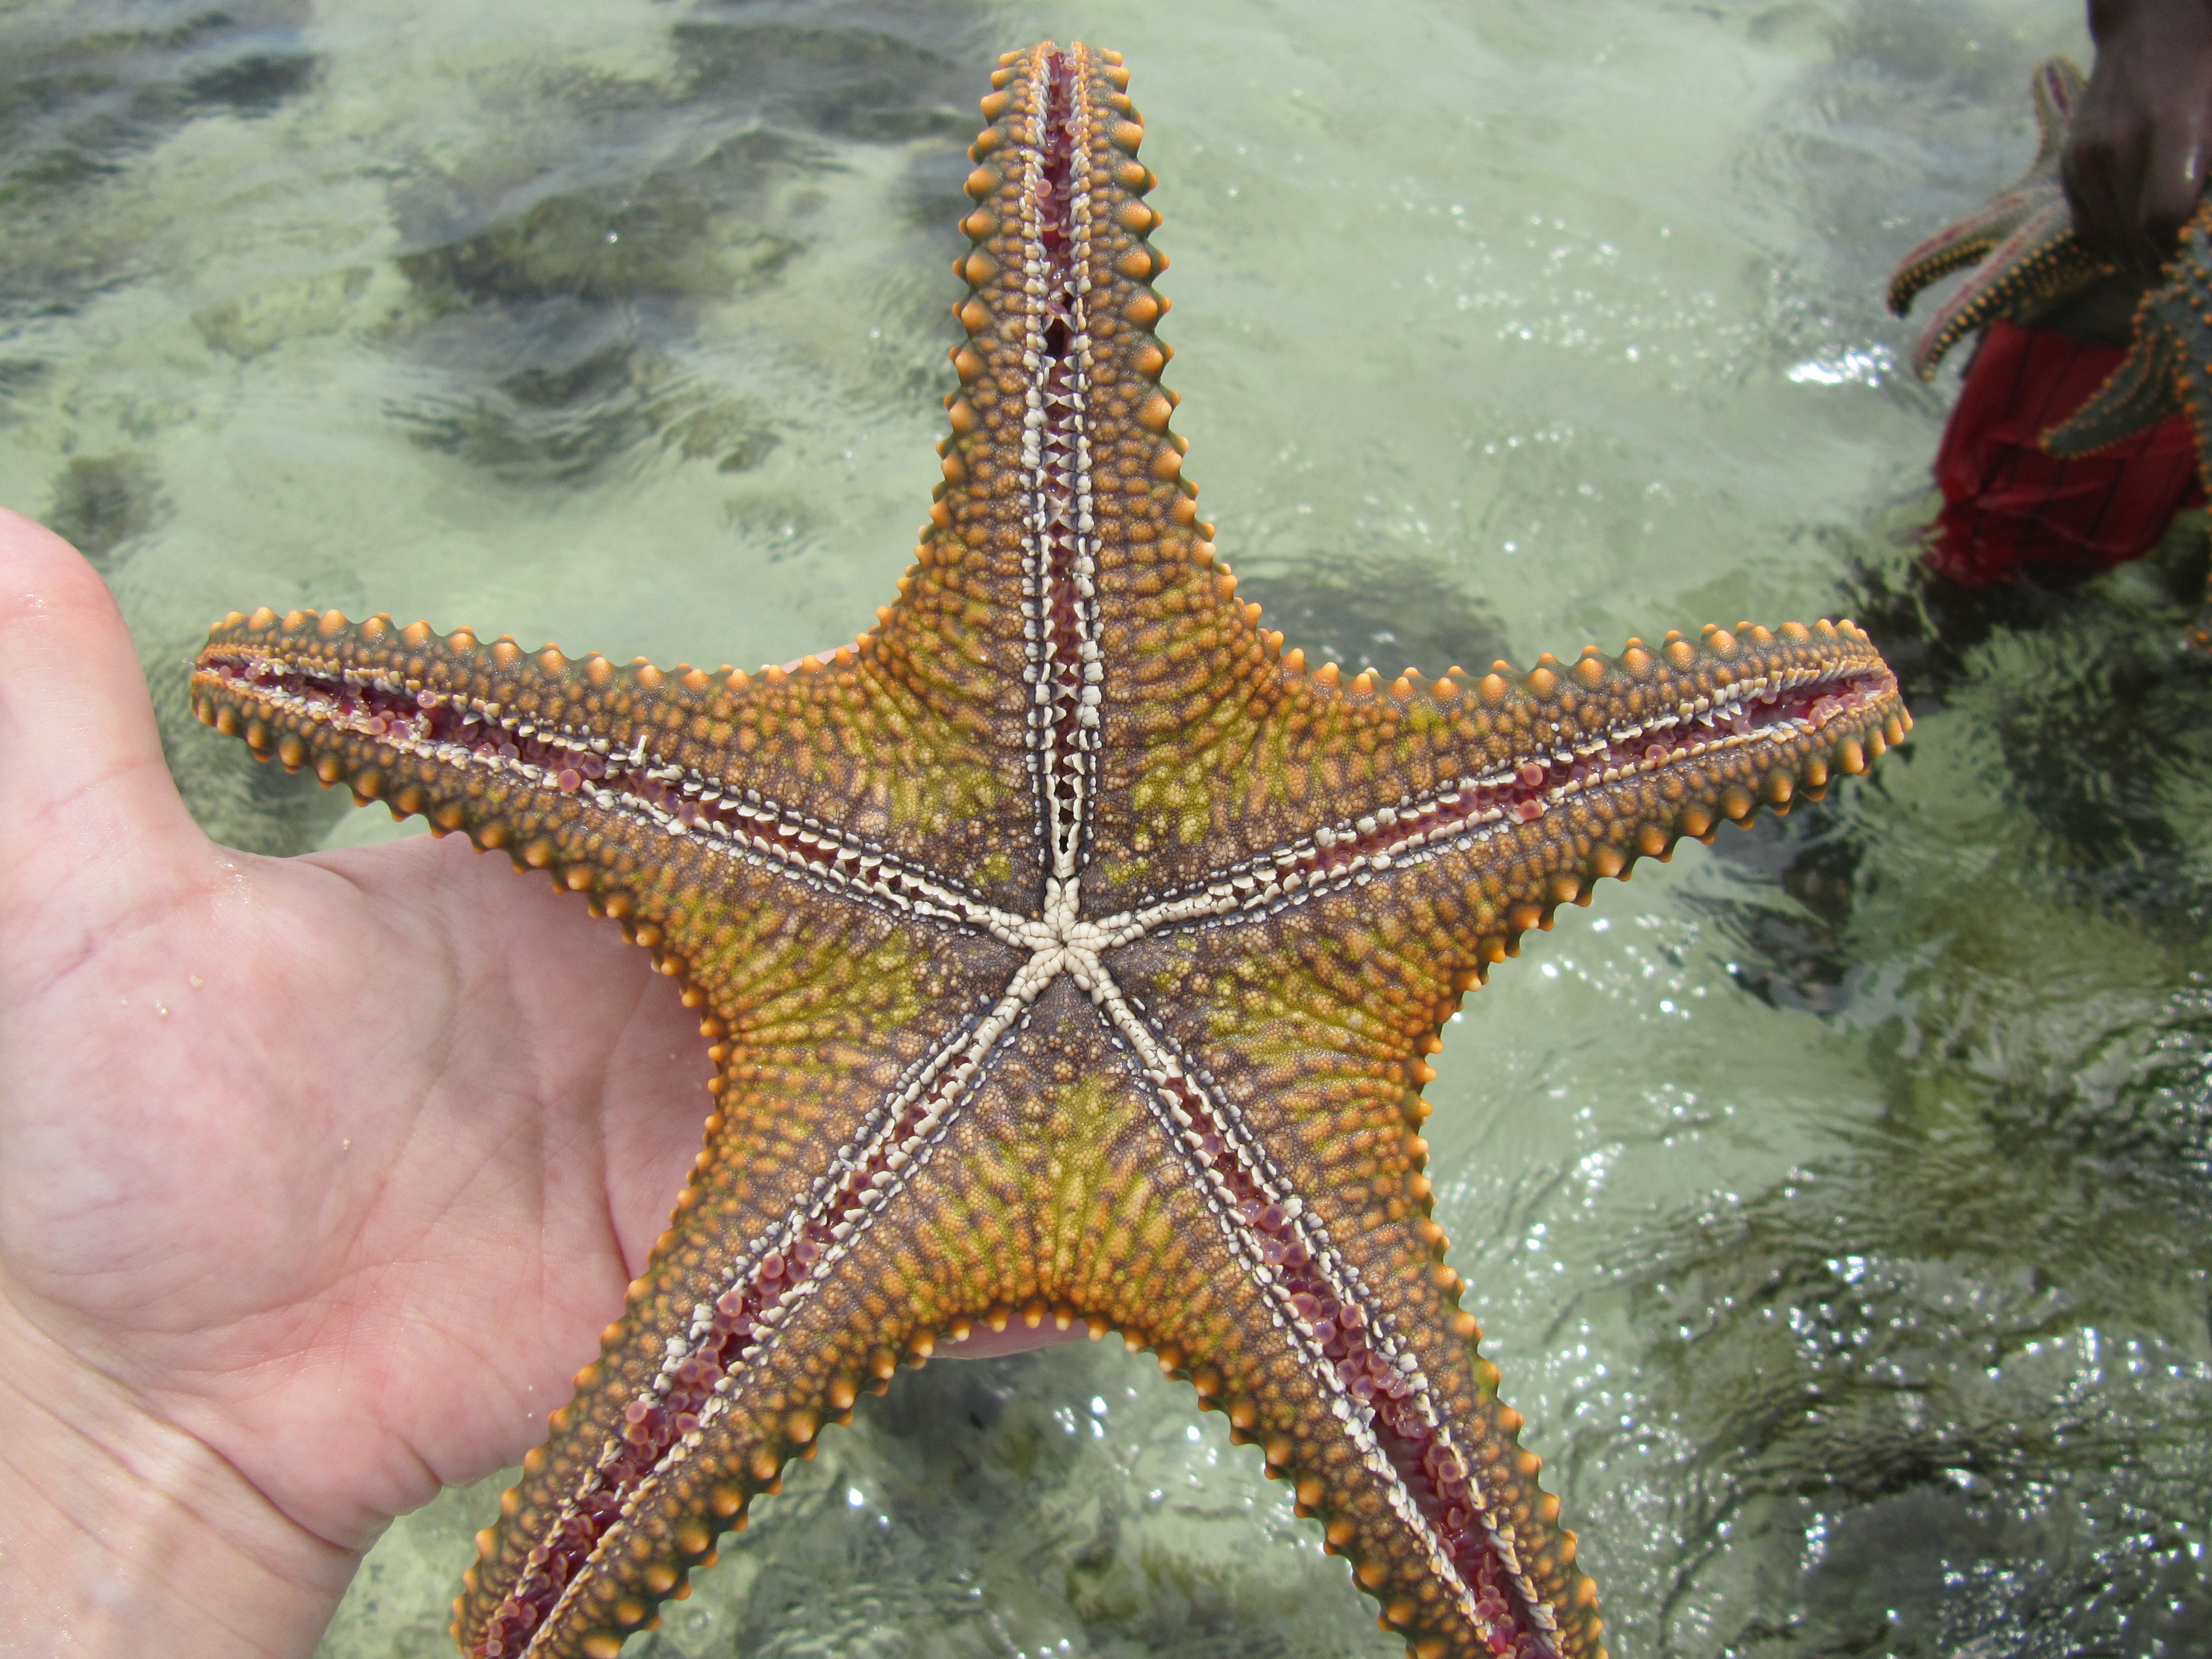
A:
(337, 1163)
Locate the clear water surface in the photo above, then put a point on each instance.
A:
(1835, 1199)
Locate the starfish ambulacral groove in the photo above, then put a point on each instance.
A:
(2020, 242)
(1069, 949)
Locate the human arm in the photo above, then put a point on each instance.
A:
(2135, 163)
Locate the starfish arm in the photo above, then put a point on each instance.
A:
(2057, 86)
(2022, 237)
(1293, 1017)
(2039, 264)
(1300, 1083)
(1059, 474)
(520, 751)
(595, 773)
(2140, 393)
(2167, 367)
(1655, 743)
(764, 1311)
(2186, 305)
(1966, 241)
(1064, 510)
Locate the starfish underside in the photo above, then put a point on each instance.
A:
(1069, 949)
(2020, 242)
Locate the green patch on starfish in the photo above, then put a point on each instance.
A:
(1173, 799)
(824, 1000)
(931, 796)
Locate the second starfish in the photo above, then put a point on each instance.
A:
(1071, 949)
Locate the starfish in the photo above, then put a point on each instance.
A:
(2168, 369)
(1071, 952)
(2022, 239)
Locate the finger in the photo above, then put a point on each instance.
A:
(81, 778)
(2088, 170)
(2172, 184)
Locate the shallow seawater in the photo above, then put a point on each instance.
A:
(1835, 1199)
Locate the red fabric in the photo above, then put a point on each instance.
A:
(2006, 504)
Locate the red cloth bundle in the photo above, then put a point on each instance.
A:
(2008, 505)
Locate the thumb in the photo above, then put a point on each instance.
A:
(83, 783)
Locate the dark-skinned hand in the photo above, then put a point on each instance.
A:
(2135, 163)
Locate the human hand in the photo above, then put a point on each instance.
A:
(2136, 161)
(318, 1176)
